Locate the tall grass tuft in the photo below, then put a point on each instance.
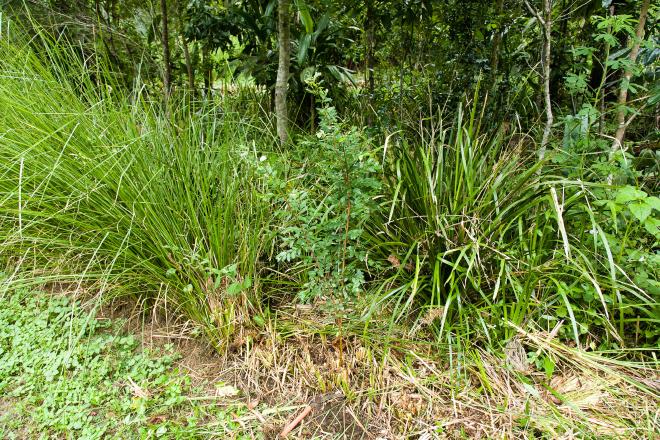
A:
(478, 239)
(97, 185)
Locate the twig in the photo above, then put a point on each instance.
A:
(535, 13)
(258, 415)
(288, 428)
(266, 412)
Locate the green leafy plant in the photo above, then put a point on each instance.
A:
(479, 236)
(325, 205)
(629, 220)
(66, 373)
(464, 223)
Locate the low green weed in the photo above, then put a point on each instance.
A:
(66, 374)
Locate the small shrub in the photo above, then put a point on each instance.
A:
(324, 205)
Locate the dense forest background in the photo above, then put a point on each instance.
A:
(386, 64)
(443, 176)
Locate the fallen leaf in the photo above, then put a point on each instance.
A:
(155, 420)
(137, 390)
(394, 261)
(222, 390)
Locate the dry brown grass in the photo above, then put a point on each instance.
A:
(358, 388)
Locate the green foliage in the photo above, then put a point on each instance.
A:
(630, 200)
(457, 224)
(602, 57)
(325, 205)
(66, 374)
(96, 184)
(612, 213)
(630, 222)
(478, 236)
(464, 222)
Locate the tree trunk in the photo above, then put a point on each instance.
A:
(497, 41)
(370, 58)
(559, 51)
(312, 114)
(546, 23)
(547, 32)
(281, 86)
(189, 67)
(402, 60)
(167, 74)
(109, 44)
(186, 52)
(627, 76)
(207, 69)
(602, 88)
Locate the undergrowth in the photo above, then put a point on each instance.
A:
(66, 374)
(456, 238)
(478, 235)
(325, 195)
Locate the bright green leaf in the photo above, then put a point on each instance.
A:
(654, 202)
(652, 225)
(641, 210)
(628, 194)
(305, 16)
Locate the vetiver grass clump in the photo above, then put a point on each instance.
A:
(96, 185)
(481, 237)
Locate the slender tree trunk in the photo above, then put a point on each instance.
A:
(627, 76)
(109, 44)
(186, 52)
(207, 69)
(602, 89)
(371, 25)
(189, 67)
(411, 42)
(497, 41)
(402, 62)
(547, 32)
(545, 21)
(281, 86)
(131, 60)
(312, 113)
(559, 50)
(167, 74)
